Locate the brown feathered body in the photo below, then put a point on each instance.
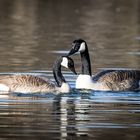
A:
(26, 83)
(118, 80)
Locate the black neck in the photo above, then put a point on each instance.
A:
(86, 65)
(57, 73)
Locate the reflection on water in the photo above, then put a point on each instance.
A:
(73, 116)
(33, 33)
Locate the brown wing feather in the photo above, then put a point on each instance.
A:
(119, 80)
(116, 75)
(27, 82)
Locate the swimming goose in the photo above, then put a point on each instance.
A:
(30, 84)
(107, 80)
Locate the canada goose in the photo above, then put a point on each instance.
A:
(107, 80)
(30, 84)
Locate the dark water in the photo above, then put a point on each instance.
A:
(33, 33)
(96, 115)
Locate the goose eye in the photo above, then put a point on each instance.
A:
(76, 46)
(70, 65)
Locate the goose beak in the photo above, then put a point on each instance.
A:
(73, 70)
(72, 51)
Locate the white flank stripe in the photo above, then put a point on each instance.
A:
(4, 87)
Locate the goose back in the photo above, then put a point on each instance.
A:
(117, 75)
(27, 83)
(119, 79)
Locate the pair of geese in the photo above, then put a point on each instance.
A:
(107, 80)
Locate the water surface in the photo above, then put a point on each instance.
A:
(78, 115)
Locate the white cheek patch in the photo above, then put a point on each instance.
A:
(64, 62)
(82, 47)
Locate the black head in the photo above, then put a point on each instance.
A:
(78, 45)
(67, 62)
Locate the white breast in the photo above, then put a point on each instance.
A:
(65, 88)
(84, 82)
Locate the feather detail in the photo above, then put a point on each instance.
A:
(119, 80)
(27, 83)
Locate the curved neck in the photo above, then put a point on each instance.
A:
(57, 73)
(86, 65)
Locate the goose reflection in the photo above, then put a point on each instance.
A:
(68, 116)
